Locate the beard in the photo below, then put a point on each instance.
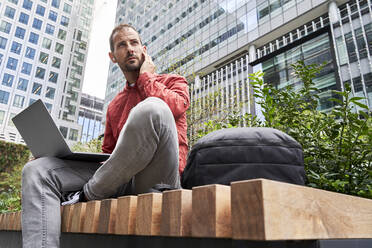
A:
(133, 66)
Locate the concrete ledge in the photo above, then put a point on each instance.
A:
(13, 239)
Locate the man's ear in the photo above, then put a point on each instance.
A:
(144, 49)
(112, 57)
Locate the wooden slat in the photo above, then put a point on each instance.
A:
(148, 214)
(78, 217)
(126, 215)
(107, 216)
(17, 220)
(176, 213)
(66, 218)
(91, 220)
(211, 211)
(2, 221)
(269, 210)
(11, 221)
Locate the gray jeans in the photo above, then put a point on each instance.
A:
(146, 154)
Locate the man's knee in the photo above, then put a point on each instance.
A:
(36, 169)
(152, 108)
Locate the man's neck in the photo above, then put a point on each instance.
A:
(131, 76)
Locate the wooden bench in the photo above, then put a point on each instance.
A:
(259, 210)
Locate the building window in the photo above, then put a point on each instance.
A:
(26, 68)
(50, 92)
(36, 89)
(30, 53)
(31, 101)
(1, 58)
(62, 34)
(64, 21)
(10, 122)
(18, 101)
(2, 115)
(56, 3)
(5, 27)
(27, 4)
(3, 42)
(49, 29)
(40, 10)
(16, 47)
(52, 15)
(23, 18)
(13, 1)
(34, 38)
(9, 12)
(37, 23)
(64, 131)
(43, 58)
(8, 80)
(47, 43)
(73, 134)
(67, 8)
(22, 84)
(40, 73)
(20, 33)
(4, 97)
(59, 48)
(56, 62)
(53, 77)
(48, 106)
(12, 63)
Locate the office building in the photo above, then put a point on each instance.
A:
(216, 44)
(90, 117)
(43, 47)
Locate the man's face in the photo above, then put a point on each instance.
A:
(128, 50)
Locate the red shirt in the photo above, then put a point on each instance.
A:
(172, 89)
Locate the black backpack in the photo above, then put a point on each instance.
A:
(235, 154)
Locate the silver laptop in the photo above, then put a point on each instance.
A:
(43, 138)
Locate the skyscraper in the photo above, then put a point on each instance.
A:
(222, 41)
(90, 117)
(43, 47)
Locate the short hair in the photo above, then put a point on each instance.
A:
(118, 28)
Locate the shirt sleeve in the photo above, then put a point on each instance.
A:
(176, 95)
(108, 144)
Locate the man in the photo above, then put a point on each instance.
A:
(145, 134)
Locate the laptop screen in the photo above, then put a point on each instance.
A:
(40, 132)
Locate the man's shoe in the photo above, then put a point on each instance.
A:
(73, 197)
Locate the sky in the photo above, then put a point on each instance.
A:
(96, 71)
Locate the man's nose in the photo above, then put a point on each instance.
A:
(130, 48)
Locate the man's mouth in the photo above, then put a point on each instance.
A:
(131, 58)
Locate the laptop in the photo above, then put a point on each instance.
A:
(43, 137)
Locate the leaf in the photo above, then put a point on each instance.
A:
(360, 104)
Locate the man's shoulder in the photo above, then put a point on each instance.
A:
(172, 78)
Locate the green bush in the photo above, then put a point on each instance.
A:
(12, 154)
(337, 145)
(13, 158)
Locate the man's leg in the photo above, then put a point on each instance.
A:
(147, 149)
(43, 182)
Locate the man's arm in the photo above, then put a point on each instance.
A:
(176, 96)
(108, 144)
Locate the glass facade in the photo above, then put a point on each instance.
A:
(90, 117)
(278, 70)
(36, 43)
(216, 44)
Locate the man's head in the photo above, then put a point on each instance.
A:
(126, 48)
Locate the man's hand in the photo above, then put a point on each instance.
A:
(148, 65)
